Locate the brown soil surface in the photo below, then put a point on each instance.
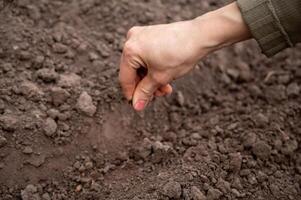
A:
(232, 129)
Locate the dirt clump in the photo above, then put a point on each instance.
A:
(85, 104)
(50, 127)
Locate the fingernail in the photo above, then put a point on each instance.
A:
(140, 105)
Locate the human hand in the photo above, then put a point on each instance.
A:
(167, 52)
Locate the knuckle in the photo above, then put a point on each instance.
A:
(130, 48)
(132, 31)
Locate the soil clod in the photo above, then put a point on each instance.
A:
(50, 127)
(85, 104)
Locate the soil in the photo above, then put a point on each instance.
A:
(231, 130)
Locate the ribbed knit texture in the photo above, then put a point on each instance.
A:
(275, 24)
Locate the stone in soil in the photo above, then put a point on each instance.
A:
(172, 189)
(85, 104)
(59, 96)
(261, 150)
(196, 194)
(50, 127)
(8, 122)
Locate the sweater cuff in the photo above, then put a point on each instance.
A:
(265, 26)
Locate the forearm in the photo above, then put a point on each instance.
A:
(223, 27)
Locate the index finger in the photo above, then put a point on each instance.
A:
(128, 77)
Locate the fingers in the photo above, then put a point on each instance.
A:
(132, 31)
(145, 90)
(127, 77)
(163, 91)
(137, 85)
(167, 89)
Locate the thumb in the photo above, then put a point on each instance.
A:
(144, 92)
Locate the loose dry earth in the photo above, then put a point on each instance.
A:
(232, 130)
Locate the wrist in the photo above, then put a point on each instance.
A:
(222, 27)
